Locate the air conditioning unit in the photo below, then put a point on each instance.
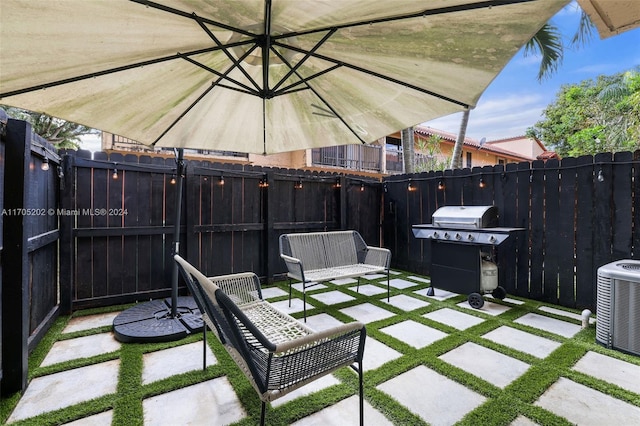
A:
(618, 306)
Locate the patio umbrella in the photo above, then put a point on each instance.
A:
(255, 76)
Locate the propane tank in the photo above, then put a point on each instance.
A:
(488, 276)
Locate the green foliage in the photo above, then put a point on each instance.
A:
(594, 116)
(62, 134)
(428, 155)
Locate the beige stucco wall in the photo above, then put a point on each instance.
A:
(526, 147)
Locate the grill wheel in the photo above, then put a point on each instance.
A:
(475, 300)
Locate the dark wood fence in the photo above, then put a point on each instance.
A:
(30, 237)
(99, 231)
(121, 229)
(578, 214)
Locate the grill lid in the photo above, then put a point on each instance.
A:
(466, 217)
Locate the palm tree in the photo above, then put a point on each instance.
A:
(547, 42)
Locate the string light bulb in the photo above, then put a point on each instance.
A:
(298, 185)
(173, 180)
(115, 174)
(600, 176)
(361, 186)
(482, 184)
(440, 185)
(263, 183)
(411, 187)
(45, 164)
(221, 180)
(338, 184)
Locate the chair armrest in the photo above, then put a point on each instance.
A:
(378, 256)
(294, 266)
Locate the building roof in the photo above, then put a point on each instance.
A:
(490, 146)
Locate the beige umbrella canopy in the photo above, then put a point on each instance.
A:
(257, 76)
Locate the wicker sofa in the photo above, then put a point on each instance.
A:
(276, 352)
(315, 257)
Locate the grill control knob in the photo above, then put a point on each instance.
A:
(492, 239)
(458, 236)
(470, 237)
(435, 235)
(446, 235)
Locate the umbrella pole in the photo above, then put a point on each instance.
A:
(176, 230)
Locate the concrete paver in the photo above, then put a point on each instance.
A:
(59, 390)
(431, 396)
(345, 413)
(102, 419)
(212, 403)
(414, 334)
(368, 289)
(522, 341)
(494, 367)
(488, 308)
(406, 303)
(332, 297)
(584, 406)
(88, 322)
(81, 347)
(162, 364)
(612, 370)
(366, 313)
(552, 325)
(401, 284)
(454, 318)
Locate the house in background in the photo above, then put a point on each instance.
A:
(382, 157)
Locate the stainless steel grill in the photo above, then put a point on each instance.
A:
(465, 224)
(463, 241)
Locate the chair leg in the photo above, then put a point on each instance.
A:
(388, 289)
(361, 394)
(262, 413)
(358, 286)
(304, 302)
(204, 346)
(290, 292)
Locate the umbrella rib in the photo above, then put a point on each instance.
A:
(223, 75)
(378, 75)
(184, 14)
(213, 85)
(333, 111)
(235, 61)
(423, 13)
(306, 56)
(289, 88)
(110, 71)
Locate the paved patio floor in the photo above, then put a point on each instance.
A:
(491, 357)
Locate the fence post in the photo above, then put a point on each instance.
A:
(269, 254)
(15, 294)
(67, 252)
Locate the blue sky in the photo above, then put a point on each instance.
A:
(515, 100)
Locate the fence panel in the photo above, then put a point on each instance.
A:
(30, 229)
(577, 215)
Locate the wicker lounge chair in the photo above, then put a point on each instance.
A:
(276, 352)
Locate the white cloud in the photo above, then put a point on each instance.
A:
(498, 117)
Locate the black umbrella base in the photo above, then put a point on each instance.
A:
(151, 322)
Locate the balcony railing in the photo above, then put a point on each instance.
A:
(352, 157)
